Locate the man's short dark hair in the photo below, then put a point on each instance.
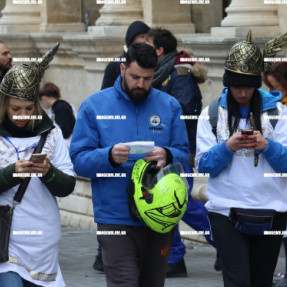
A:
(163, 38)
(143, 54)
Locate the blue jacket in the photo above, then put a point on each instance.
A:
(93, 138)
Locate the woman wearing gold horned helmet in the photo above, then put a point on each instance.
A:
(30, 182)
(245, 154)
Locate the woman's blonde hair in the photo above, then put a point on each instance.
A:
(4, 105)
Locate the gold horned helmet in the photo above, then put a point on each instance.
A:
(245, 57)
(22, 81)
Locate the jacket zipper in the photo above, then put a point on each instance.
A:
(137, 107)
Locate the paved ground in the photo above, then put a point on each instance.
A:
(78, 249)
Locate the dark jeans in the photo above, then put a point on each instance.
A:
(136, 259)
(247, 260)
(12, 279)
(196, 217)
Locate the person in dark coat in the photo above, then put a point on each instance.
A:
(60, 111)
(136, 33)
(177, 75)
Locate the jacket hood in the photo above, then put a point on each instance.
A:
(183, 58)
(135, 29)
(269, 99)
(198, 70)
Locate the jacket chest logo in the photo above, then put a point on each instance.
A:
(156, 126)
(154, 120)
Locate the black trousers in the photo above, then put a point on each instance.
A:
(136, 259)
(247, 260)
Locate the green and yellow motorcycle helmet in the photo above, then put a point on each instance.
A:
(157, 198)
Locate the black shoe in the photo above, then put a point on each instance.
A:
(217, 264)
(175, 270)
(98, 265)
(281, 283)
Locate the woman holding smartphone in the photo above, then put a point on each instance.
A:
(36, 230)
(246, 190)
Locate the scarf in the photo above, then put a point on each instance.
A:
(164, 67)
(18, 132)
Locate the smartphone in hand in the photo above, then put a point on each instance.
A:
(38, 157)
(247, 132)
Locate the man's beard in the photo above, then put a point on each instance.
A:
(135, 97)
(5, 68)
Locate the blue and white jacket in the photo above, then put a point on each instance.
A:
(234, 180)
(156, 119)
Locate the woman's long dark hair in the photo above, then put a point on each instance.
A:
(234, 112)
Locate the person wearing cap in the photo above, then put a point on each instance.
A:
(135, 34)
(98, 151)
(36, 228)
(5, 59)
(246, 158)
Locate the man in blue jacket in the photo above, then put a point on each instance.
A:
(135, 34)
(129, 111)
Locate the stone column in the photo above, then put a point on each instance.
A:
(61, 16)
(41, 16)
(243, 15)
(2, 5)
(20, 17)
(120, 14)
(115, 18)
(170, 14)
(282, 12)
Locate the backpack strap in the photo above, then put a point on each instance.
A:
(213, 115)
(24, 184)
